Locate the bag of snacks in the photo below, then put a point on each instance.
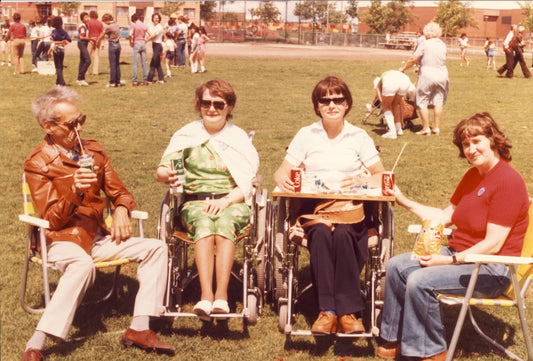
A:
(429, 240)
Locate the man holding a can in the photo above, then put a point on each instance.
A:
(67, 195)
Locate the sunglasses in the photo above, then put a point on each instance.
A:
(336, 101)
(73, 124)
(207, 104)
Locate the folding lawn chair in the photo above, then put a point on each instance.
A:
(521, 269)
(36, 250)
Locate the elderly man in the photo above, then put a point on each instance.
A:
(68, 196)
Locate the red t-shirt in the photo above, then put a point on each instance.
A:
(95, 28)
(18, 30)
(499, 197)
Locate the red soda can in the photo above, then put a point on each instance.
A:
(387, 181)
(296, 179)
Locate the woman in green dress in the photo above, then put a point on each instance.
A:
(220, 163)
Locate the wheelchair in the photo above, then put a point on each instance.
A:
(289, 288)
(181, 270)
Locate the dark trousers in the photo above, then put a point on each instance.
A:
(519, 59)
(180, 52)
(85, 59)
(155, 63)
(34, 44)
(337, 258)
(114, 62)
(59, 57)
(509, 64)
(42, 51)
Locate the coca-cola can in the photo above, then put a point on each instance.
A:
(296, 179)
(387, 181)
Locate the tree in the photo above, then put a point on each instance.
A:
(267, 12)
(68, 7)
(207, 10)
(389, 18)
(230, 17)
(453, 15)
(171, 7)
(527, 9)
(353, 9)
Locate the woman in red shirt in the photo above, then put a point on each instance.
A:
(19, 33)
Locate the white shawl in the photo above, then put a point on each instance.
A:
(231, 143)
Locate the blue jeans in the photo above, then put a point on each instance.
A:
(155, 63)
(85, 59)
(114, 62)
(411, 313)
(181, 51)
(42, 49)
(139, 49)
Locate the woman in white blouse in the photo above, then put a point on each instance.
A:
(155, 34)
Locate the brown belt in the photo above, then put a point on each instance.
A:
(204, 196)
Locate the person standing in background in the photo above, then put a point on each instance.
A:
(83, 42)
(155, 34)
(509, 53)
(518, 47)
(59, 39)
(95, 29)
(112, 30)
(19, 33)
(137, 37)
(5, 45)
(44, 44)
(181, 40)
(35, 35)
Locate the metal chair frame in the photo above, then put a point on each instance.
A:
(288, 289)
(36, 239)
(181, 273)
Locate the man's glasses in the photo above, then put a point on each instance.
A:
(73, 124)
(336, 101)
(207, 104)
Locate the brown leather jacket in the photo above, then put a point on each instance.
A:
(72, 218)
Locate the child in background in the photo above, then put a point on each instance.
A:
(491, 50)
(169, 47)
(59, 38)
(35, 36)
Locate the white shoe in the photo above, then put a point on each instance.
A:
(161, 82)
(389, 135)
(220, 307)
(3, 63)
(399, 131)
(369, 108)
(34, 70)
(203, 309)
(82, 82)
(435, 131)
(109, 85)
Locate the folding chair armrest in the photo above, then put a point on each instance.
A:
(34, 221)
(139, 215)
(484, 258)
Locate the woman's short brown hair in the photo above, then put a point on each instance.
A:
(482, 124)
(331, 85)
(217, 88)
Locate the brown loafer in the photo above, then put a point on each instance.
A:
(350, 324)
(32, 354)
(390, 350)
(146, 340)
(440, 357)
(325, 324)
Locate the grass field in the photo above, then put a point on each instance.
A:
(273, 98)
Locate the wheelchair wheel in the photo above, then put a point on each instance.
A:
(252, 308)
(262, 241)
(283, 312)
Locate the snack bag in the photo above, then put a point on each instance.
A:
(428, 241)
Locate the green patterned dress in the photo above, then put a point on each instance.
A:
(205, 172)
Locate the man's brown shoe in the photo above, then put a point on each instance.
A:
(390, 350)
(325, 324)
(440, 357)
(32, 354)
(146, 340)
(350, 324)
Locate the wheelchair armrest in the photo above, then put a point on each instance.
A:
(485, 258)
(34, 221)
(139, 215)
(415, 228)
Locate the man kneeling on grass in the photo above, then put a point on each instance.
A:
(68, 196)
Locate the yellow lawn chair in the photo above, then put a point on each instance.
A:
(521, 269)
(36, 249)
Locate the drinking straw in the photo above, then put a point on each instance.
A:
(81, 146)
(399, 155)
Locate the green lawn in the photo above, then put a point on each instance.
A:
(274, 99)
